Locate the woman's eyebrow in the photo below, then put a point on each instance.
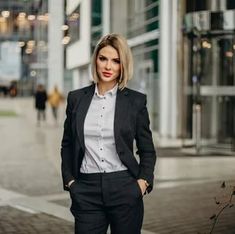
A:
(111, 58)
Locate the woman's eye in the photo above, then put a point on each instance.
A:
(117, 61)
(101, 58)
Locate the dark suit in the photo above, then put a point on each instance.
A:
(131, 122)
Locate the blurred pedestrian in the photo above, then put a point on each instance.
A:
(40, 103)
(105, 181)
(55, 98)
(13, 89)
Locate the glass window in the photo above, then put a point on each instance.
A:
(73, 21)
(196, 5)
(217, 20)
(148, 50)
(143, 16)
(230, 4)
(213, 62)
(96, 22)
(146, 76)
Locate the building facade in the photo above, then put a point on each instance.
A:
(138, 21)
(25, 23)
(209, 73)
(183, 55)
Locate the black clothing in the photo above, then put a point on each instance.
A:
(40, 100)
(102, 199)
(131, 121)
(115, 198)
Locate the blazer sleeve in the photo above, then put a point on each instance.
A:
(145, 146)
(67, 146)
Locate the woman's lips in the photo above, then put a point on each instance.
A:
(107, 74)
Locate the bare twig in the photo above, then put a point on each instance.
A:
(227, 203)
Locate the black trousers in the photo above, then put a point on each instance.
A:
(41, 115)
(103, 199)
(55, 112)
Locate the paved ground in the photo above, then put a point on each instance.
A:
(15, 221)
(32, 199)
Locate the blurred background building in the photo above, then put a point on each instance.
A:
(23, 43)
(208, 67)
(183, 52)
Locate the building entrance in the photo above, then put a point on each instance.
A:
(212, 89)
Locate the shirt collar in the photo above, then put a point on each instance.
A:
(112, 91)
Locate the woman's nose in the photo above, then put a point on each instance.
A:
(108, 65)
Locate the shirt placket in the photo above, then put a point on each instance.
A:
(101, 133)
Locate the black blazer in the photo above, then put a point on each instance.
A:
(131, 122)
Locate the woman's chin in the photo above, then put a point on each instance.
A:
(108, 80)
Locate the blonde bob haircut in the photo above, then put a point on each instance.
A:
(126, 61)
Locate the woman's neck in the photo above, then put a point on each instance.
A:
(104, 87)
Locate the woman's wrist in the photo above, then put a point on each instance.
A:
(70, 183)
(143, 185)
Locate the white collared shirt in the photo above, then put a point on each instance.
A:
(100, 149)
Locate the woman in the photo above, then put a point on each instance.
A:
(40, 103)
(105, 181)
(55, 98)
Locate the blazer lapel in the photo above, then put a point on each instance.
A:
(121, 111)
(81, 113)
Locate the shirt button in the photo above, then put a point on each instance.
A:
(101, 148)
(101, 115)
(103, 107)
(102, 160)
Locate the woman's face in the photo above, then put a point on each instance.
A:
(108, 65)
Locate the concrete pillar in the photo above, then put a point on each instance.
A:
(223, 5)
(164, 67)
(106, 16)
(78, 54)
(168, 69)
(215, 75)
(55, 47)
(217, 5)
(118, 16)
(174, 108)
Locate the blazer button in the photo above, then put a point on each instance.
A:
(120, 152)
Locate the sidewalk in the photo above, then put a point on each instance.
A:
(15, 221)
(32, 199)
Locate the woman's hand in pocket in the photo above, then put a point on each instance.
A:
(142, 184)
